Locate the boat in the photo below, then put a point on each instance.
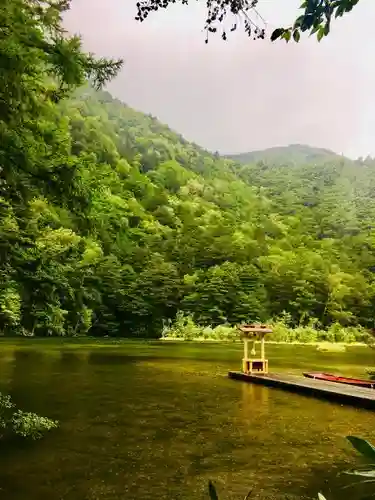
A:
(327, 377)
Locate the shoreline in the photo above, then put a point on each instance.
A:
(271, 342)
(117, 341)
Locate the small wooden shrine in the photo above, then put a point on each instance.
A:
(254, 333)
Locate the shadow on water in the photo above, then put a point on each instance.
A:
(100, 358)
(72, 359)
(29, 355)
(144, 427)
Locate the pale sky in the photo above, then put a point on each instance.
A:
(240, 95)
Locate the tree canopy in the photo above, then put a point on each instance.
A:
(224, 16)
(111, 223)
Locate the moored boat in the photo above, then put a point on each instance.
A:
(327, 377)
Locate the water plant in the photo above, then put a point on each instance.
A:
(365, 473)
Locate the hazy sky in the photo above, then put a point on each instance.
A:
(241, 94)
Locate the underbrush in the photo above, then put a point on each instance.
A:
(185, 328)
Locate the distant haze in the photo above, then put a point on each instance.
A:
(240, 95)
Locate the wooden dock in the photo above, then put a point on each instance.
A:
(333, 391)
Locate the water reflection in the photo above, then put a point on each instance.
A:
(6, 368)
(254, 398)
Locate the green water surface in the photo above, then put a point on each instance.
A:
(149, 421)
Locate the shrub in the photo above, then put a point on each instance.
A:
(184, 328)
(25, 424)
(31, 425)
(281, 332)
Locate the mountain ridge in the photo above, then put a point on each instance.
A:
(300, 153)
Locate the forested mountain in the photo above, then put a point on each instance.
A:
(133, 223)
(285, 155)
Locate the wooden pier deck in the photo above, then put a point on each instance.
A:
(333, 391)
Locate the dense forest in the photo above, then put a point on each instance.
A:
(111, 223)
(136, 224)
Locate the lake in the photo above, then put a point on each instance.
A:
(148, 421)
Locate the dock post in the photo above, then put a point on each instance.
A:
(262, 348)
(245, 355)
(263, 354)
